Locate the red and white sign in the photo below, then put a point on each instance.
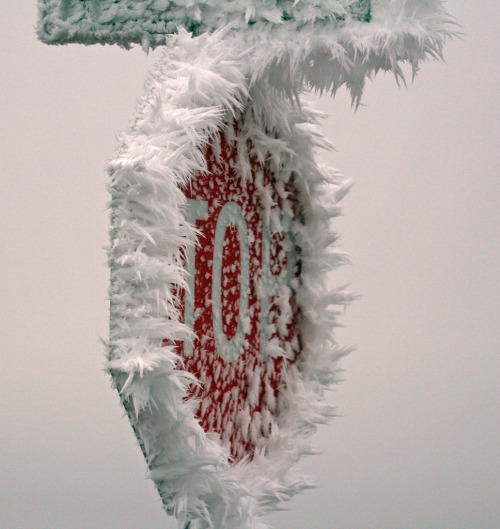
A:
(261, 313)
(239, 301)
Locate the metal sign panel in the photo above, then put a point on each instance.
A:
(221, 341)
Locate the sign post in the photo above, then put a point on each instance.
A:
(222, 314)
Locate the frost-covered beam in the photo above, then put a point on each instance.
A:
(149, 22)
(291, 45)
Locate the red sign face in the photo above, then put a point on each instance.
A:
(242, 277)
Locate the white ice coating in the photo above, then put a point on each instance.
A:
(322, 43)
(199, 87)
(195, 210)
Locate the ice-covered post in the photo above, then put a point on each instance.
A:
(221, 326)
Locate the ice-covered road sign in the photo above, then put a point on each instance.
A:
(222, 319)
(221, 328)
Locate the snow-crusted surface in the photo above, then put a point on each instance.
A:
(199, 89)
(322, 44)
(133, 21)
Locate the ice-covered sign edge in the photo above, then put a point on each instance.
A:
(318, 53)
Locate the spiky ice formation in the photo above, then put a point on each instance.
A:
(197, 90)
(293, 44)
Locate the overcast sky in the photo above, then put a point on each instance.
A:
(417, 442)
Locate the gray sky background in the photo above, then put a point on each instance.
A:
(417, 443)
